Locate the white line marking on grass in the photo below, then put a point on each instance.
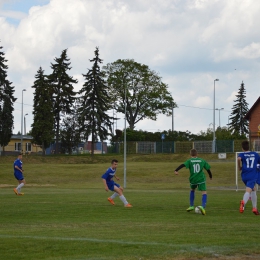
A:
(91, 240)
(179, 247)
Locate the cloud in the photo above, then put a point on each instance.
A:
(13, 14)
(188, 42)
(202, 101)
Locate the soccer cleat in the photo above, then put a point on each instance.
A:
(111, 201)
(190, 208)
(15, 191)
(128, 205)
(20, 194)
(242, 206)
(202, 210)
(255, 211)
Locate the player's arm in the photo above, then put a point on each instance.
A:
(16, 167)
(105, 184)
(177, 169)
(239, 163)
(116, 177)
(210, 174)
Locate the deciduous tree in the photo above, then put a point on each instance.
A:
(140, 89)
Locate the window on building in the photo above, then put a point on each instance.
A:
(28, 147)
(17, 146)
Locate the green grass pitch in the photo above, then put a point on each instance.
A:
(65, 214)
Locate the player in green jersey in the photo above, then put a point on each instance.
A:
(197, 178)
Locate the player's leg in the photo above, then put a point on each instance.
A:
(112, 197)
(119, 190)
(254, 201)
(19, 187)
(21, 182)
(249, 187)
(192, 197)
(110, 186)
(202, 187)
(204, 199)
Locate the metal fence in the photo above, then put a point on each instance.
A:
(256, 145)
(143, 147)
(222, 146)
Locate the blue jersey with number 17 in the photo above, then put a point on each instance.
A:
(249, 164)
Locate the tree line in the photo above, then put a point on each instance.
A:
(62, 115)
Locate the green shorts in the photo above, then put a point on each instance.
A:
(200, 186)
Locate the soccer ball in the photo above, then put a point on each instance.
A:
(197, 210)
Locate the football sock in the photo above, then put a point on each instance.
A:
(246, 197)
(114, 195)
(204, 200)
(192, 197)
(20, 186)
(254, 199)
(122, 197)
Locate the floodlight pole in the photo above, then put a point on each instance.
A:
(219, 115)
(172, 117)
(22, 123)
(214, 138)
(125, 144)
(25, 123)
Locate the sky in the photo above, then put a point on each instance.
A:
(190, 43)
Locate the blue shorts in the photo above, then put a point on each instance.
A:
(250, 183)
(112, 184)
(18, 176)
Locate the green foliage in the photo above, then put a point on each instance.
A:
(238, 125)
(70, 132)
(138, 88)
(140, 135)
(42, 127)
(95, 103)
(63, 95)
(7, 100)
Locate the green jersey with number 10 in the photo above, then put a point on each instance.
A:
(196, 165)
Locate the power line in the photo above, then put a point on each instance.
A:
(175, 107)
(201, 108)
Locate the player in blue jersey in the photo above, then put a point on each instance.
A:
(247, 162)
(18, 174)
(109, 184)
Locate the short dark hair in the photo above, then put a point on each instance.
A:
(114, 161)
(20, 154)
(193, 152)
(245, 145)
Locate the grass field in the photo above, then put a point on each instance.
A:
(64, 214)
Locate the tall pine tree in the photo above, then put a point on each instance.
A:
(7, 100)
(238, 125)
(95, 104)
(70, 132)
(43, 122)
(63, 95)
